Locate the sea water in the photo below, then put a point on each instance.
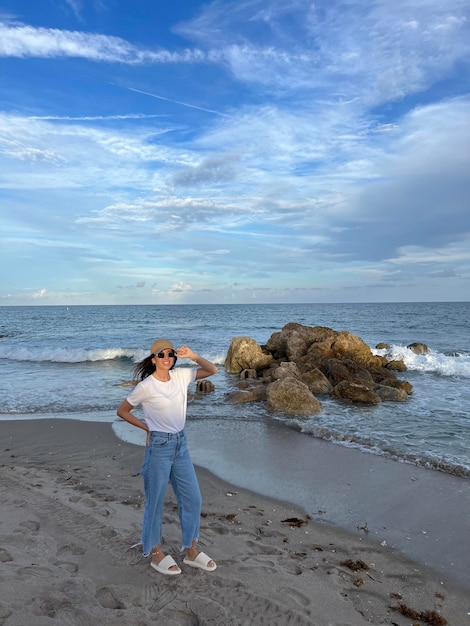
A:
(77, 361)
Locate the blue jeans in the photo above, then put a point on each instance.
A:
(167, 460)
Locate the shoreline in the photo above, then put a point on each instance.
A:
(72, 503)
(423, 514)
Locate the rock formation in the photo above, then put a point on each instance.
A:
(300, 362)
(245, 353)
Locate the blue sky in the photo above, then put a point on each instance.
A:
(245, 151)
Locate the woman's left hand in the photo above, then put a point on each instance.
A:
(186, 353)
(205, 369)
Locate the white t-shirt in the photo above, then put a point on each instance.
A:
(164, 404)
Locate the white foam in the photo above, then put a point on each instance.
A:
(438, 362)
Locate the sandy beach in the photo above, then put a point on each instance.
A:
(72, 504)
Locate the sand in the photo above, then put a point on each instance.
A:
(71, 510)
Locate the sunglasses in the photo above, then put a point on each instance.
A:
(161, 355)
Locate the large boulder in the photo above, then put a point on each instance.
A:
(405, 385)
(355, 392)
(392, 394)
(316, 381)
(294, 340)
(276, 345)
(383, 376)
(396, 365)
(250, 394)
(337, 370)
(332, 344)
(292, 396)
(296, 345)
(285, 369)
(245, 353)
(418, 348)
(349, 346)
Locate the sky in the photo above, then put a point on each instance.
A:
(246, 151)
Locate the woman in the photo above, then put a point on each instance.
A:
(163, 393)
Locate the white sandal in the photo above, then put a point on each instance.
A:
(201, 562)
(164, 565)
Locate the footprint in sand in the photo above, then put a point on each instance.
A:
(290, 566)
(154, 601)
(30, 524)
(257, 553)
(108, 600)
(35, 571)
(5, 556)
(68, 566)
(259, 548)
(262, 566)
(49, 607)
(300, 598)
(70, 549)
(89, 503)
(108, 532)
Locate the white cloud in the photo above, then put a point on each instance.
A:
(29, 41)
(39, 294)
(378, 51)
(455, 253)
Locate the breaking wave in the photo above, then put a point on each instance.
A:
(79, 355)
(456, 364)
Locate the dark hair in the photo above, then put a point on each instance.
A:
(146, 367)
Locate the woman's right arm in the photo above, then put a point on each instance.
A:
(125, 412)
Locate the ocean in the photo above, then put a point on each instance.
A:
(73, 362)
